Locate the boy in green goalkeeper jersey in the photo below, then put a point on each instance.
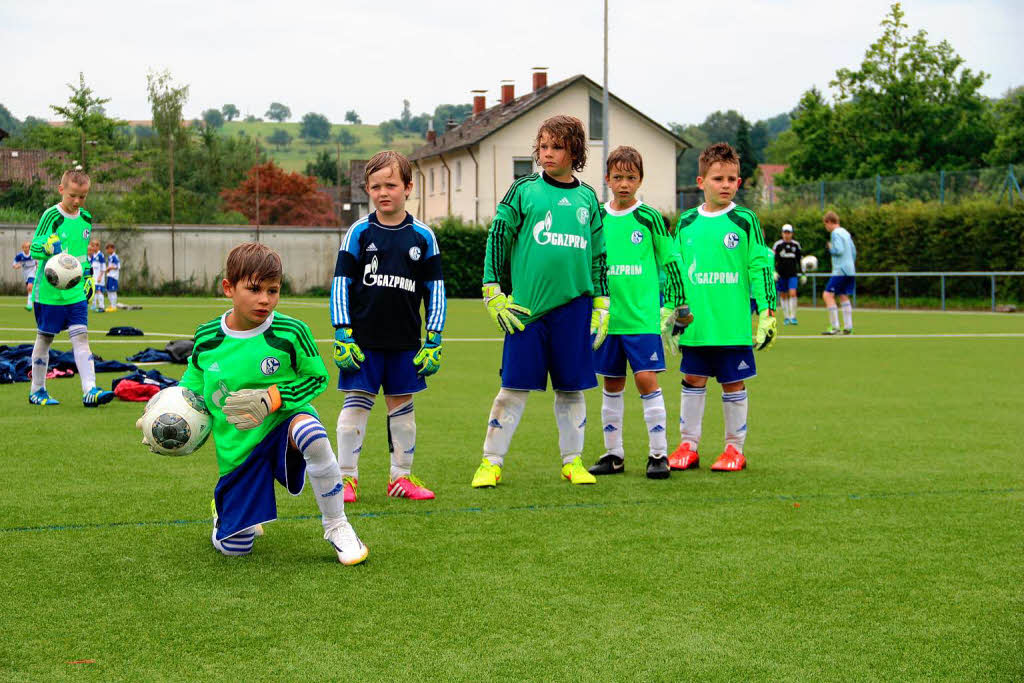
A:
(258, 372)
(547, 230)
(64, 228)
(639, 245)
(726, 264)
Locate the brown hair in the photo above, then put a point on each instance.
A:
(382, 160)
(720, 152)
(76, 176)
(831, 217)
(253, 262)
(567, 130)
(625, 158)
(109, 245)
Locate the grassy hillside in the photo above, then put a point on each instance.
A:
(294, 156)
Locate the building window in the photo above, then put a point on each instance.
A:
(596, 119)
(458, 174)
(431, 181)
(521, 167)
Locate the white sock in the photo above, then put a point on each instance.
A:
(40, 360)
(506, 411)
(112, 297)
(322, 468)
(833, 317)
(792, 307)
(847, 315)
(239, 544)
(734, 409)
(571, 418)
(83, 356)
(99, 300)
(403, 432)
(28, 298)
(612, 407)
(654, 416)
(355, 411)
(691, 414)
(787, 307)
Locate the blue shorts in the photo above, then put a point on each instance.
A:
(393, 371)
(111, 284)
(245, 496)
(643, 351)
(53, 319)
(786, 283)
(558, 343)
(31, 280)
(101, 288)
(727, 364)
(841, 284)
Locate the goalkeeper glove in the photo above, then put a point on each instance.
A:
(674, 323)
(90, 288)
(429, 357)
(803, 279)
(347, 354)
(52, 245)
(766, 330)
(247, 408)
(775, 275)
(599, 320)
(502, 310)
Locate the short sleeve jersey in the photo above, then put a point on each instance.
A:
(113, 265)
(551, 236)
(382, 275)
(726, 263)
(279, 352)
(28, 265)
(787, 258)
(73, 233)
(638, 242)
(99, 265)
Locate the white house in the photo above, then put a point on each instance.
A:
(465, 170)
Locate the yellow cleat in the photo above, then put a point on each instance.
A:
(576, 473)
(487, 475)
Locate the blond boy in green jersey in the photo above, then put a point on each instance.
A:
(726, 264)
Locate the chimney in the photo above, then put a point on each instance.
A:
(431, 133)
(508, 92)
(479, 102)
(540, 78)
(450, 125)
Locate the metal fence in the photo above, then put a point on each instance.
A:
(943, 280)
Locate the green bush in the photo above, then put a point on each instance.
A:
(463, 246)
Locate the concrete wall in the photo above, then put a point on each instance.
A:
(308, 254)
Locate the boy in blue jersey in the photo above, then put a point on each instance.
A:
(99, 267)
(111, 276)
(24, 262)
(842, 282)
(388, 264)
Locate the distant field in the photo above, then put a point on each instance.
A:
(294, 156)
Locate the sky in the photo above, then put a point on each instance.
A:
(675, 61)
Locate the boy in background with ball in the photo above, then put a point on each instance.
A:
(258, 372)
(64, 228)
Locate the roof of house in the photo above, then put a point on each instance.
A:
(769, 171)
(479, 126)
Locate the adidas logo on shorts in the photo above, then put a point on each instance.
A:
(654, 356)
(743, 365)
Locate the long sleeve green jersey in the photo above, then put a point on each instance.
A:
(281, 351)
(639, 243)
(726, 263)
(74, 233)
(552, 234)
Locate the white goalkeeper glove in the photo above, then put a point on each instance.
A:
(803, 279)
(247, 408)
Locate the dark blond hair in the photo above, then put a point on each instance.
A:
(385, 159)
(720, 152)
(831, 217)
(253, 262)
(625, 158)
(76, 176)
(567, 131)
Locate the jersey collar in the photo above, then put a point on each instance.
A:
(574, 183)
(715, 214)
(66, 214)
(406, 222)
(244, 334)
(616, 212)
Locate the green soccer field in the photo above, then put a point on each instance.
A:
(876, 534)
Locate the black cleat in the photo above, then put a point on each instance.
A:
(609, 463)
(657, 467)
(848, 330)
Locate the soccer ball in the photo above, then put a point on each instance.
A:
(809, 263)
(63, 271)
(175, 422)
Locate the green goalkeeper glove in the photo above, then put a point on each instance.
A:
(347, 354)
(52, 245)
(247, 408)
(429, 357)
(766, 330)
(89, 285)
(599, 320)
(502, 310)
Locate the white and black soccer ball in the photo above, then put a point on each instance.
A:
(809, 263)
(176, 422)
(63, 271)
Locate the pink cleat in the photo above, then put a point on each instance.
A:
(349, 494)
(409, 486)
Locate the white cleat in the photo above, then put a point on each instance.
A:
(348, 546)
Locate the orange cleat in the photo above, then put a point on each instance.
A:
(684, 458)
(730, 461)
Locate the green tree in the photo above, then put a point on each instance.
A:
(346, 139)
(167, 101)
(100, 138)
(455, 112)
(7, 121)
(324, 167)
(820, 150)
(1009, 143)
(781, 148)
(280, 138)
(748, 160)
(352, 117)
(213, 118)
(252, 118)
(315, 128)
(278, 112)
(387, 131)
(230, 112)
